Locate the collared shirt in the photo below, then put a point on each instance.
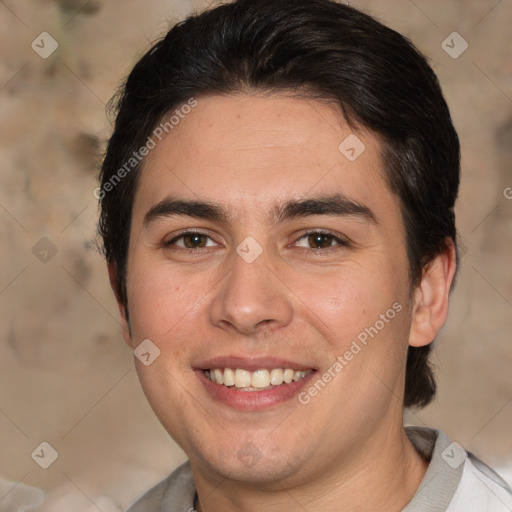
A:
(455, 481)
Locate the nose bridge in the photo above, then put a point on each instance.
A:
(250, 295)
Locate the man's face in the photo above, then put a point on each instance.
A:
(306, 266)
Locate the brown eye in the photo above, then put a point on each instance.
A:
(317, 240)
(191, 240)
(320, 240)
(194, 240)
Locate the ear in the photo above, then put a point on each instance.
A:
(431, 297)
(125, 325)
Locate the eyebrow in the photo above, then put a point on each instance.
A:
(337, 204)
(333, 205)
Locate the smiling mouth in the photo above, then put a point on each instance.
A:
(259, 380)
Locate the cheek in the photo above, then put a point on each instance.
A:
(162, 303)
(345, 301)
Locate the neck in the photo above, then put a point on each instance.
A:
(384, 477)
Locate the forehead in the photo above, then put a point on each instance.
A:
(252, 152)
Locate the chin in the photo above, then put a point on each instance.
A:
(245, 463)
(262, 473)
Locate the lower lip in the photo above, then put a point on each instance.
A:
(253, 400)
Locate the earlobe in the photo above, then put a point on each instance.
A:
(431, 297)
(123, 317)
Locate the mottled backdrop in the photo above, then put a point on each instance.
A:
(67, 379)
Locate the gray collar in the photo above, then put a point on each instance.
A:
(444, 472)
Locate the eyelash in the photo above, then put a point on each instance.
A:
(340, 242)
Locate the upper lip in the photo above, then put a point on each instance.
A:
(250, 363)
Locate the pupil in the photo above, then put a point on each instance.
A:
(194, 241)
(319, 240)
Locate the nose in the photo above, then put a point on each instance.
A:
(251, 296)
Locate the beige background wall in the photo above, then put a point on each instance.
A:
(67, 379)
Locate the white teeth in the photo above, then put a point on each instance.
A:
(218, 376)
(254, 381)
(242, 378)
(260, 379)
(229, 377)
(276, 376)
(288, 376)
(298, 375)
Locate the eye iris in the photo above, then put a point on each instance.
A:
(194, 240)
(319, 240)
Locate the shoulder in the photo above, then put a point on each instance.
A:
(481, 489)
(176, 492)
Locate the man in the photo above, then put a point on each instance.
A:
(277, 214)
